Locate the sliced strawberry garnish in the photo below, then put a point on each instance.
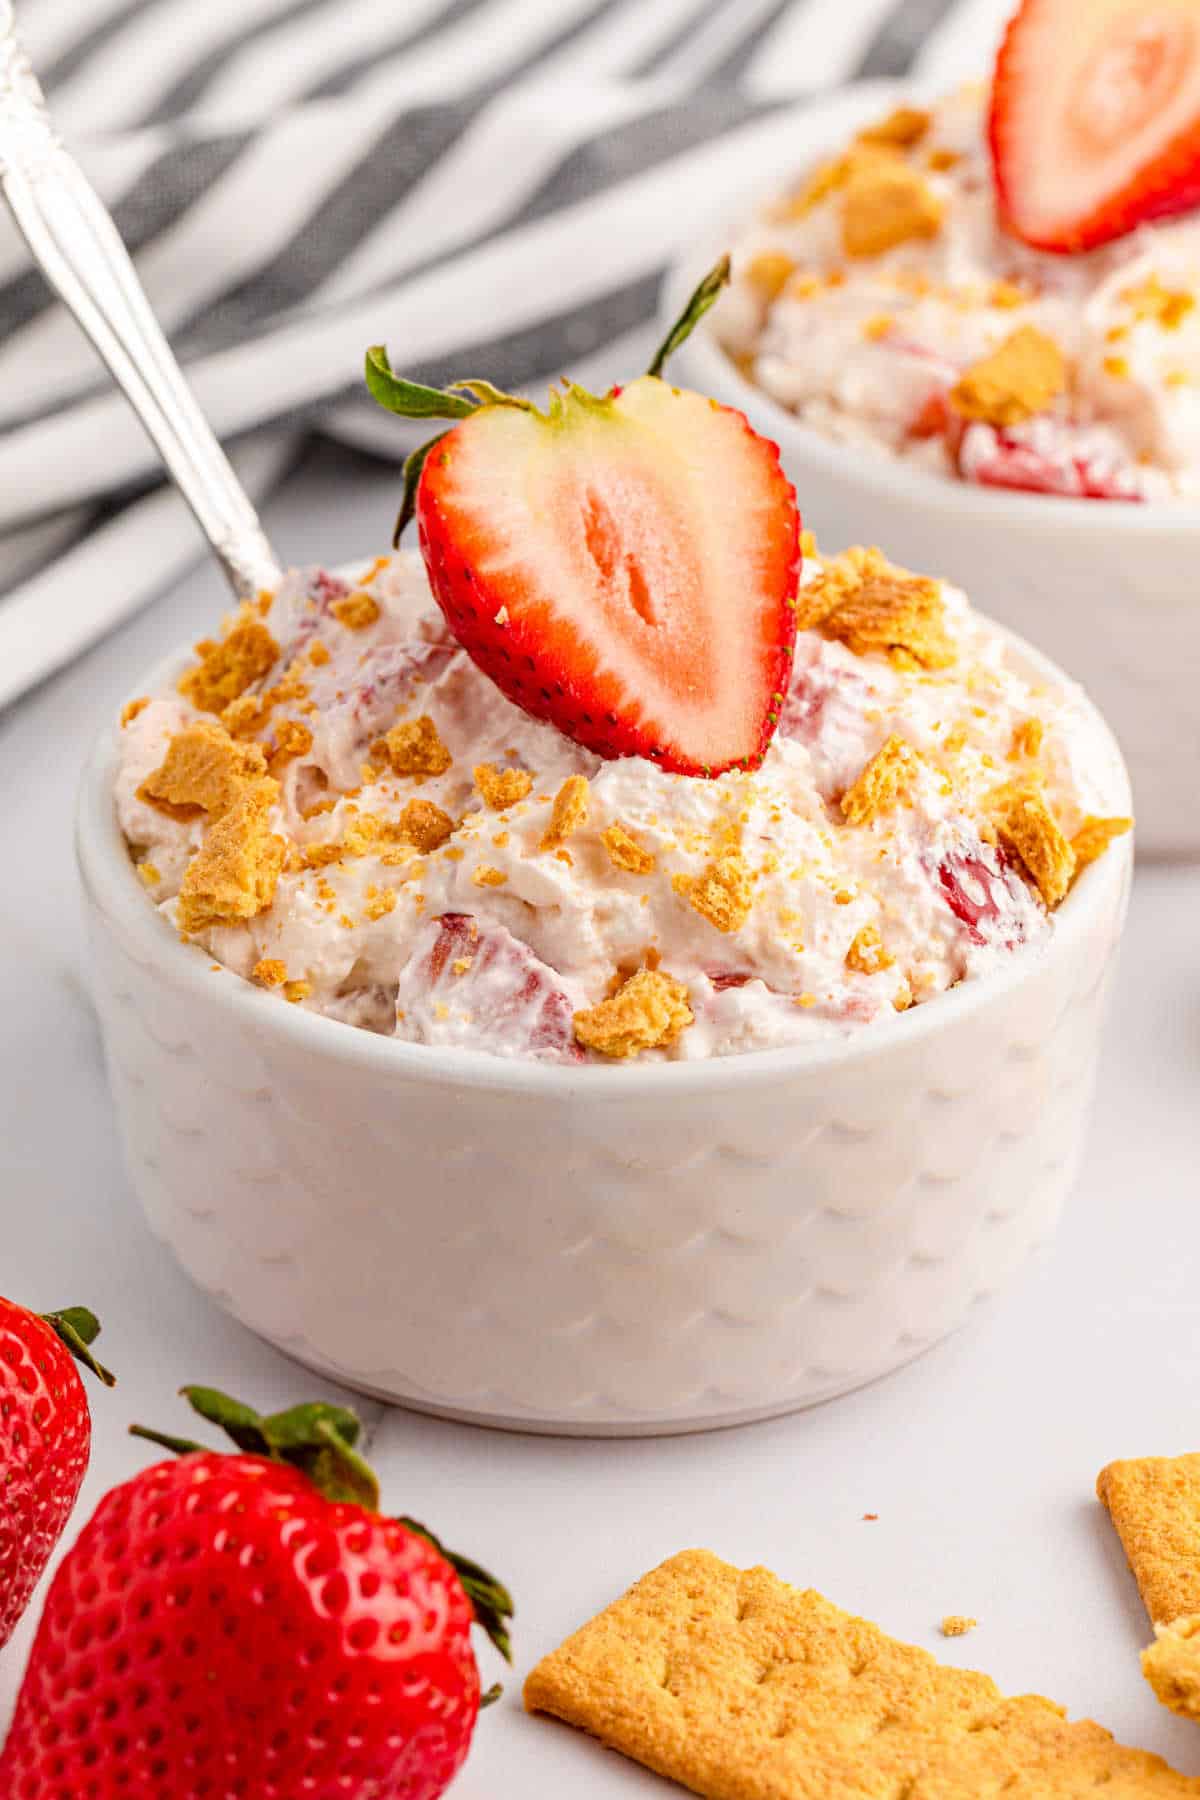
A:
(1095, 118)
(471, 983)
(623, 567)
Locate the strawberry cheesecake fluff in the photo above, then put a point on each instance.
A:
(1003, 288)
(341, 805)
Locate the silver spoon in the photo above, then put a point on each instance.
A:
(76, 245)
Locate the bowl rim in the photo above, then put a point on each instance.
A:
(822, 123)
(113, 889)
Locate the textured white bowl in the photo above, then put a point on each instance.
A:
(1107, 589)
(594, 1250)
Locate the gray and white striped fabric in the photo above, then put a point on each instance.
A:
(491, 185)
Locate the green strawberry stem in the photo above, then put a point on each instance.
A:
(78, 1329)
(412, 400)
(698, 304)
(321, 1441)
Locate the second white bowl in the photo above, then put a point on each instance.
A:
(1109, 590)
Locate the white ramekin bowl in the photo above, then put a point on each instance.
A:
(1109, 590)
(595, 1250)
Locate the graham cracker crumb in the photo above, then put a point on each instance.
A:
(1094, 836)
(957, 1625)
(379, 905)
(484, 875)
(1172, 1666)
(318, 655)
(624, 851)
(226, 669)
(247, 714)
(866, 954)
(132, 708)
(1028, 829)
(903, 127)
(356, 611)
(941, 158)
(768, 273)
(295, 991)
(1027, 739)
(1167, 307)
(647, 1012)
(269, 972)
(204, 770)
(414, 748)
(292, 739)
(232, 876)
(739, 1687)
(872, 605)
(148, 874)
(886, 778)
(886, 203)
(722, 894)
(502, 788)
(569, 812)
(1017, 380)
(424, 825)
(1154, 1503)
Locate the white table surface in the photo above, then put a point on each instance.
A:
(979, 1459)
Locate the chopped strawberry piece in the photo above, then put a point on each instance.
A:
(1095, 119)
(984, 892)
(476, 985)
(1044, 457)
(389, 675)
(326, 588)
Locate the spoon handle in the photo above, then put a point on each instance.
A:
(76, 245)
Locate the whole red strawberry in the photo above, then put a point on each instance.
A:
(622, 565)
(249, 1624)
(45, 1441)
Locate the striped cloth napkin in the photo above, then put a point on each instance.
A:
(493, 186)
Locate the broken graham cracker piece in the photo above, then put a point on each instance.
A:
(502, 788)
(647, 1012)
(1094, 836)
(232, 876)
(624, 851)
(1172, 1666)
(356, 611)
(226, 669)
(740, 1687)
(866, 954)
(722, 893)
(903, 127)
(204, 770)
(1154, 1503)
(885, 203)
(569, 812)
(882, 784)
(871, 604)
(1021, 377)
(1028, 829)
(413, 748)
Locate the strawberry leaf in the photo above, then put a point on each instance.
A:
(409, 398)
(78, 1329)
(413, 466)
(241, 1423)
(698, 304)
(490, 1599)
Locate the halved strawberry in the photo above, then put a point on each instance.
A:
(1095, 118)
(622, 566)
